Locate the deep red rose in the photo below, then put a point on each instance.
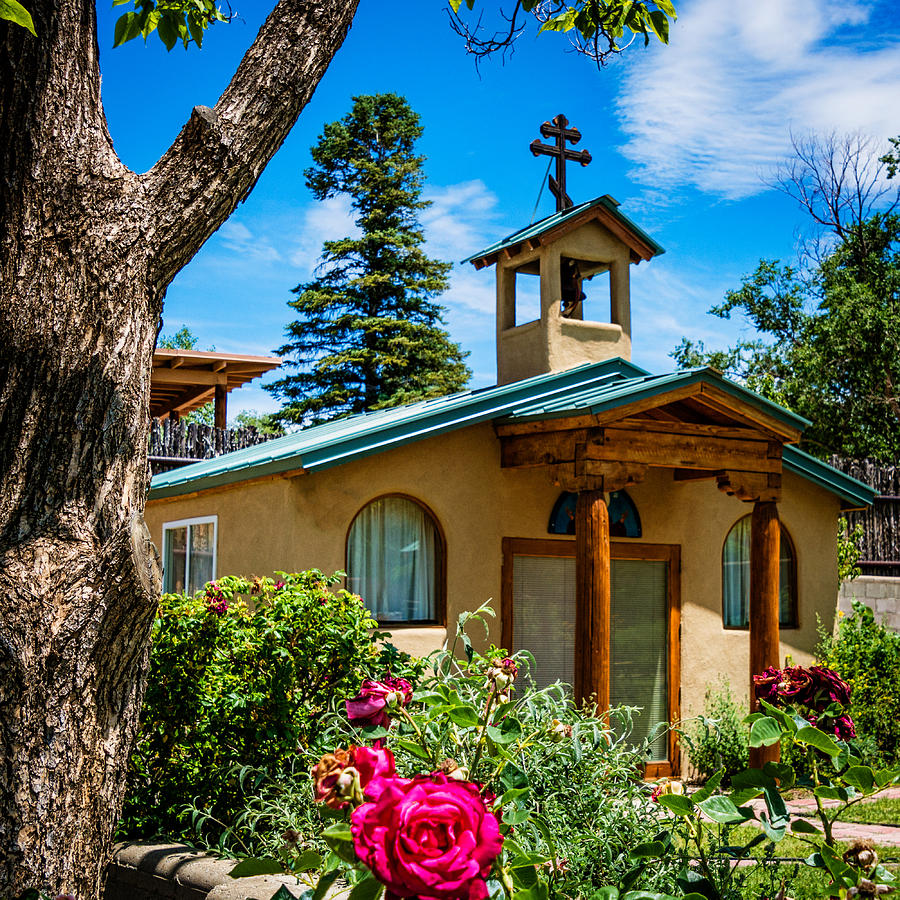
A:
(830, 687)
(429, 837)
(765, 686)
(798, 686)
(371, 706)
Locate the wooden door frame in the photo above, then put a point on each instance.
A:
(670, 553)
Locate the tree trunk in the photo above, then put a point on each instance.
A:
(87, 249)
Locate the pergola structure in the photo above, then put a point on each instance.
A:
(184, 380)
(696, 431)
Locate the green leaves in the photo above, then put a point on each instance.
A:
(677, 803)
(13, 11)
(722, 809)
(818, 739)
(246, 868)
(765, 731)
(172, 20)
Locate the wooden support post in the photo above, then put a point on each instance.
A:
(765, 565)
(592, 597)
(221, 406)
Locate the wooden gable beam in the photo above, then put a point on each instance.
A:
(647, 448)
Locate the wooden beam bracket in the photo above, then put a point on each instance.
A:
(750, 486)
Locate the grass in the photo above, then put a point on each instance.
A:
(801, 882)
(877, 812)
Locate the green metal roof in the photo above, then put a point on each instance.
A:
(548, 224)
(853, 494)
(589, 388)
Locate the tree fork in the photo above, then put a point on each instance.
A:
(87, 249)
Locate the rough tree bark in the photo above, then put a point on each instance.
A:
(87, 249)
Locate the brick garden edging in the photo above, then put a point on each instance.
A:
(148, 871)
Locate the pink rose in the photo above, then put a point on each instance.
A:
(344, 776)
(375, 698)
(429, 837)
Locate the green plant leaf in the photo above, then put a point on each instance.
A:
(309, 860)
(324, 885)
(860, 777)
(786, 720)
(709, 788)
(606, 893)
(818, 739)
(246, 868)
(367, 889)
(648, 850)
(413, 748)
(509, 730)
(283, 894)
(721, 809)
(340, 839)
(677, 803)
(802, 826)
(464, 715)
(764, 732)
(13, 11)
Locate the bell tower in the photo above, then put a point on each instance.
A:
(563, 295)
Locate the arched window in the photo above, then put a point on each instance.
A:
(624, 520)
(736, 578)
(395, 556)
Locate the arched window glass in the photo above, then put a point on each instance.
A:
(736, 578)
(394, 560)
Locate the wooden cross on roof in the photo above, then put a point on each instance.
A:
(559, 129)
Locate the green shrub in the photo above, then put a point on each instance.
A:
(240, 683)
(867, 656)
(717, 739)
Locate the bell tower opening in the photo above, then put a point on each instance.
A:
(563, 296)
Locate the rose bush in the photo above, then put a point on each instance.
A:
(429, 836)
(500, 789)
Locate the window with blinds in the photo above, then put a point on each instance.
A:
(544, 615)
(639, 644)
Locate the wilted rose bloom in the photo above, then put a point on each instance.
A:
(559, 731)
(502, 673)
(344, 776)
(797, 686)
(666, 787)
(831, 686)
(376, 698)
(451, 769)
(765, 686)
(64, 897)
(428, 837)
(844, 729)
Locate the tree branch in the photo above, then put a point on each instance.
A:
(220, 153)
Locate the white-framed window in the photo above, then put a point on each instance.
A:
(189, 554)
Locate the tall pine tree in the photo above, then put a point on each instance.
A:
(369, 333)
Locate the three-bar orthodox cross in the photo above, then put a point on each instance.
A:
(559, 129)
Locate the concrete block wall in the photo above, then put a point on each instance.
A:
(880, 593)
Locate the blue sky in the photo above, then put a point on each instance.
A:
(683, 136)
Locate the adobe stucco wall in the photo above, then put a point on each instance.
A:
(302, 522)
(880, 593)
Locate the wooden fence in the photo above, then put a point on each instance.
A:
(880, 543)
(174, 444)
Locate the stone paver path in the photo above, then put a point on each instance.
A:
(886, 835)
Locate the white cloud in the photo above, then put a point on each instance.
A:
(715, 109)
(328, 220)
(238, 238)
